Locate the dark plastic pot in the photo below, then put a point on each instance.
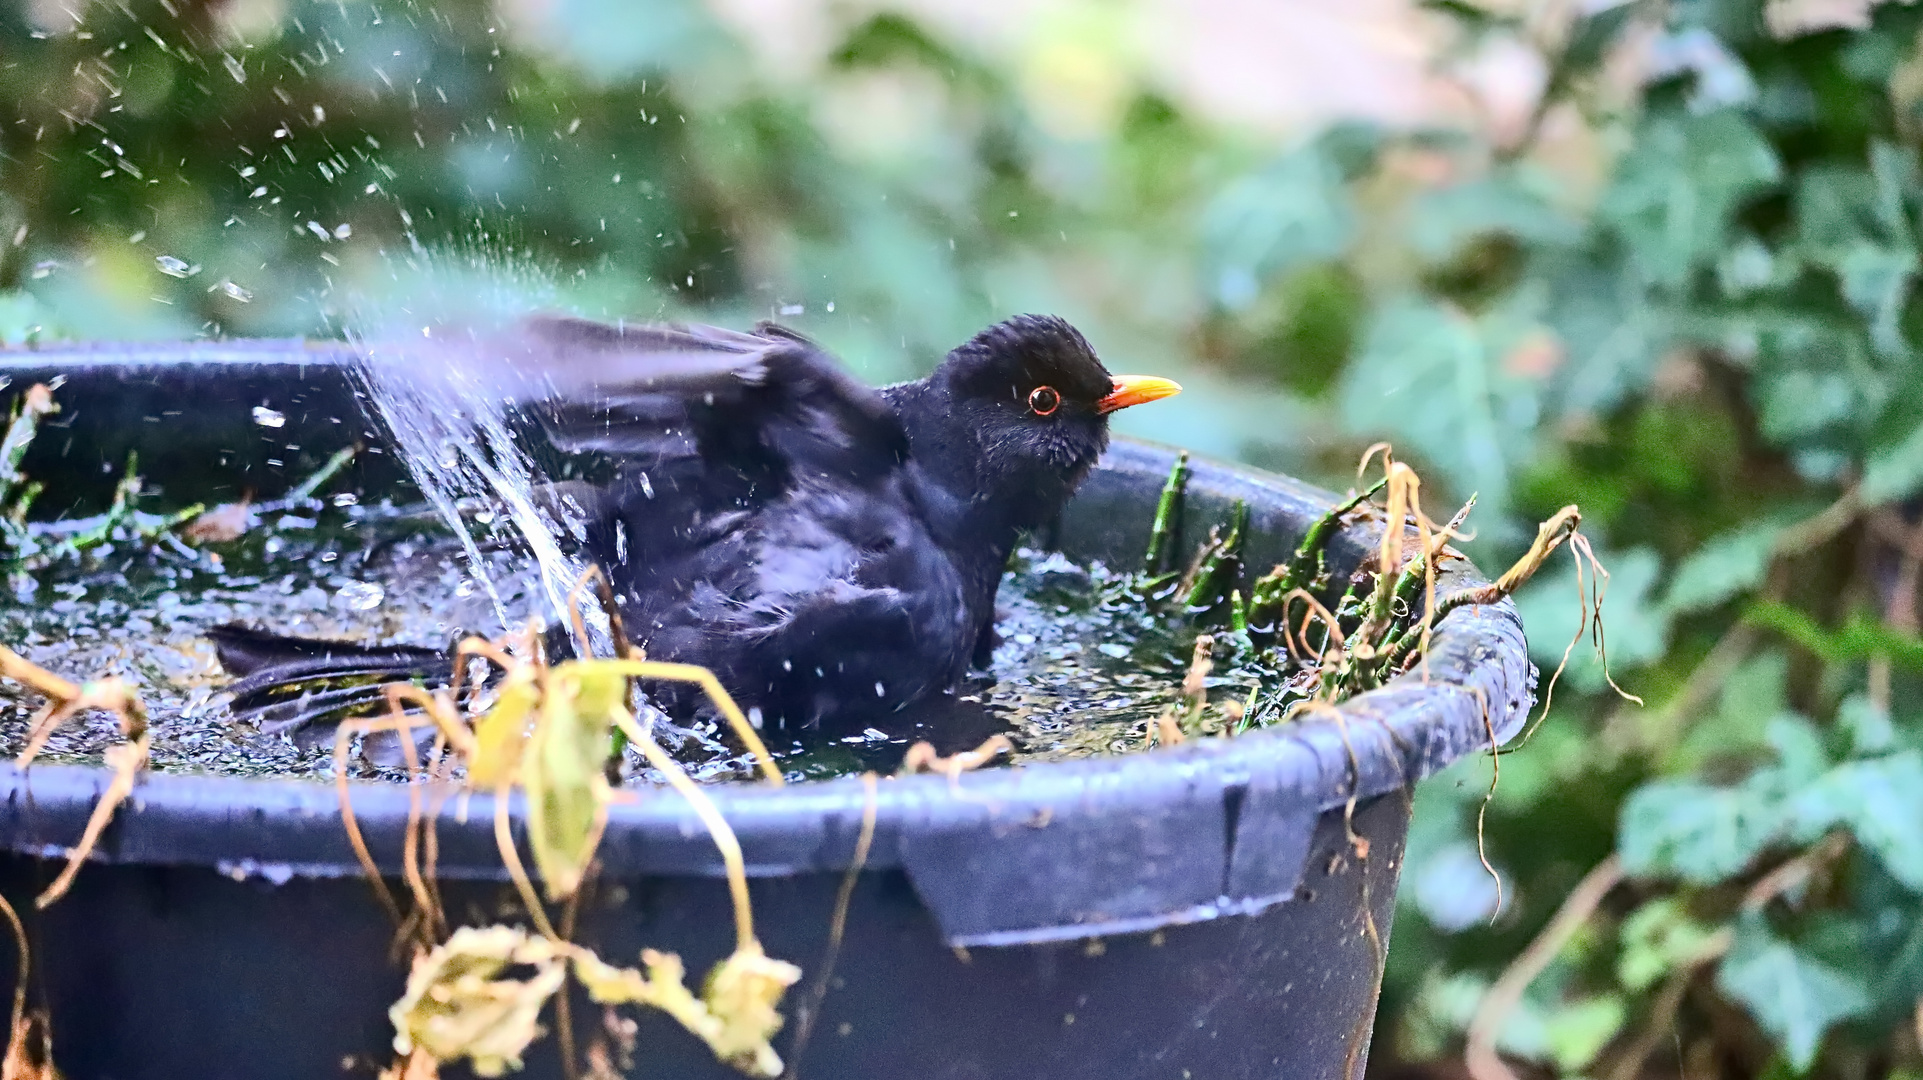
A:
(1191, 912)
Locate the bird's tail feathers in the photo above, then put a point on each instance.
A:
(303, 687)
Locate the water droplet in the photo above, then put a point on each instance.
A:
(234, 68)
(137, 237)
(44, 268)
(343, 231)
(346, 498)
(791, 309)
(831, 306)
(173, 267)
(267, 417)
(319, 230)
(361, 595)
(246, 171)
(237, 292)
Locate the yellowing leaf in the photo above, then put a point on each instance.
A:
(736, 1014)
(743, 991)
(500, 735)
(566, 788)
(458, 1004)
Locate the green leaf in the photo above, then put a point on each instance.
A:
(1727, 565)
(1880, 801)
(1680, 185)
(1745, 267)
(1601, 313)
(1792, 995)
(1694, 831)
(1868, 725)
(1799, 750)
(1753, 695)
(1876, 282)
(1635, 629)
(1441, 221)
(1578, 1031)
(1853, 221)
(1430, 376)
(1658, 938)
(1800, 402)
(1294, 212)
(1894, 471)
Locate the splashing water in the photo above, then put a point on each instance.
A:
(458, 440)
(459, 446)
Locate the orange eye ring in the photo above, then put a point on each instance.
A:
(1044, 400)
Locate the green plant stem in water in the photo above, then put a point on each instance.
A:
(1167, 509)
(1305, 566)
(1219, 566)
(312, 484)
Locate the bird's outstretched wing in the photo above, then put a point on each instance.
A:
(763, 403)
(703, 447)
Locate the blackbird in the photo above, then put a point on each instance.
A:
(830, 550)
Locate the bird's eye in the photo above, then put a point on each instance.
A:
(1043, 400)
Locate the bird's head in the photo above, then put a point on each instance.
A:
(1038, 399)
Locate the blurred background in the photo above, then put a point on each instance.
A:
(1654, 258)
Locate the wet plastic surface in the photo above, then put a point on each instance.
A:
(1197, 908)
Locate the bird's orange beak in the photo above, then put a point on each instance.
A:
(1137, 390)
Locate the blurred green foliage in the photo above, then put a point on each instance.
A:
(1681, 295)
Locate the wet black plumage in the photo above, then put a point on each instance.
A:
(829, 549)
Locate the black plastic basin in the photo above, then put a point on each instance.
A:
(1190, 912)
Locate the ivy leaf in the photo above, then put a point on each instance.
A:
(1444, 219)
(1658, 938)
(1694, 831)
(1791, 994)
(1431, 375)
(1876, 281)
(1294, 212)
(1730, 564)
(1677, 190)
(1868, 725)
(1798, 403)
(1601, 313)
(1635, 629)
(1894, 471)
(1753, 695)
(1880, 801)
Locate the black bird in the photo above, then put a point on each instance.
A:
(831, 551)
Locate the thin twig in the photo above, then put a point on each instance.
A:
(1662, 1014)
(807, 1011)
(1501, 1000)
